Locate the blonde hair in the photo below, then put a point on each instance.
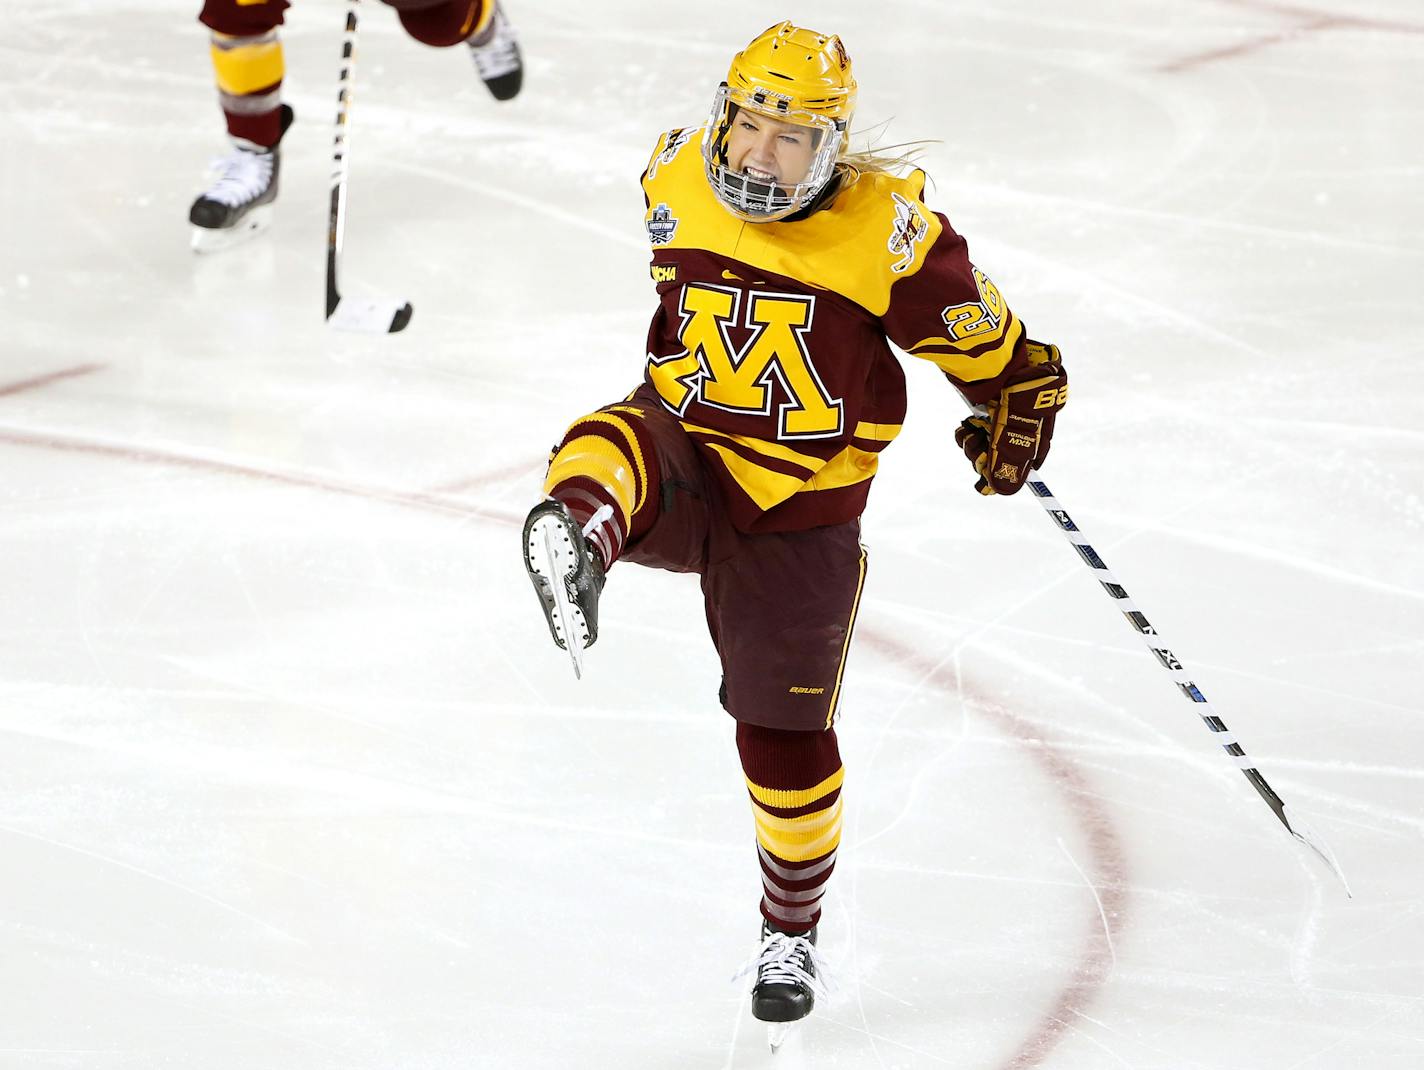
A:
(891, 160)
(880, 160)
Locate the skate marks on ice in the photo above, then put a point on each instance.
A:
(1106, 873)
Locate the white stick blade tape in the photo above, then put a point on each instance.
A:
(370, 317)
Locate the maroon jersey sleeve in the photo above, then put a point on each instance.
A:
(951, 313)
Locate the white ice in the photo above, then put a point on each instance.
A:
(292, 777)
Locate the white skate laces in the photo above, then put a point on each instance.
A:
(782, 959)
(242, 176)
(604, 512)
(498, 54)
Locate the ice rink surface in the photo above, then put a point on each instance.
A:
(292, 777)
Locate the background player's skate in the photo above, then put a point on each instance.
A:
(495, 51)
(239, 202)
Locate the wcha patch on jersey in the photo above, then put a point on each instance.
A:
(661, 225)
(907, 231)
(663, 272)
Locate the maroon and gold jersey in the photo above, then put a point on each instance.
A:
(770, 340)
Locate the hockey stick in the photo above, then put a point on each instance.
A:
(375, 317)
(1293, 822)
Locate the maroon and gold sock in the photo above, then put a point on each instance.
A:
(605, 471)
(249, 74)
(794, 779)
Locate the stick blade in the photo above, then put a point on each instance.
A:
(370, 317)
(1302, 831)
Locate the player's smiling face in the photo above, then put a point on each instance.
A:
(770, 150)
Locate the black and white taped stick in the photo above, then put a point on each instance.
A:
(372, 317)
(1154, 641)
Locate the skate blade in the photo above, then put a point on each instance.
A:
(219, 239)
(777, 1034)
(553, 563)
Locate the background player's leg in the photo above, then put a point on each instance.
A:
(480, 24)
(248, 65)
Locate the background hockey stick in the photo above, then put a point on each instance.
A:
(377, 316)
(1189, 689)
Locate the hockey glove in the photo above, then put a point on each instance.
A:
(1014, 436)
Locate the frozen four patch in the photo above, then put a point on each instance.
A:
(661, 225)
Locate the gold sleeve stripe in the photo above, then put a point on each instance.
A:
(247, 68)
(938, 341)
(761, 485)
(634, 450)
(972, 369)
(799, 839)
(845, 648)
(788, 799)
(594, 457)
(770, 449)
(877, 432)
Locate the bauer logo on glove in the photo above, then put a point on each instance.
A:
(1013, 437)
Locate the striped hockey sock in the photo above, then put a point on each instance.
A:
(794, 779)
(249, 74)
(602, 470)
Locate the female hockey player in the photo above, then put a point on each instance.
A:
(247, 60)
(784, 266)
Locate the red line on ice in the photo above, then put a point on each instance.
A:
(1310, 22)
(483, 479)
(1107, 861)
(168, 459)
(45, 380)
(1336, 19)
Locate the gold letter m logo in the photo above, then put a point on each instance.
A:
(711, 371)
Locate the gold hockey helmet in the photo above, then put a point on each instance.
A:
(791, 75)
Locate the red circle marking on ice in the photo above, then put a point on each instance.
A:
(1107, 865)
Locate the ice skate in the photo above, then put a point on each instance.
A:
(496, 55)
(567, 575)
(238, 204)
(787, 980)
